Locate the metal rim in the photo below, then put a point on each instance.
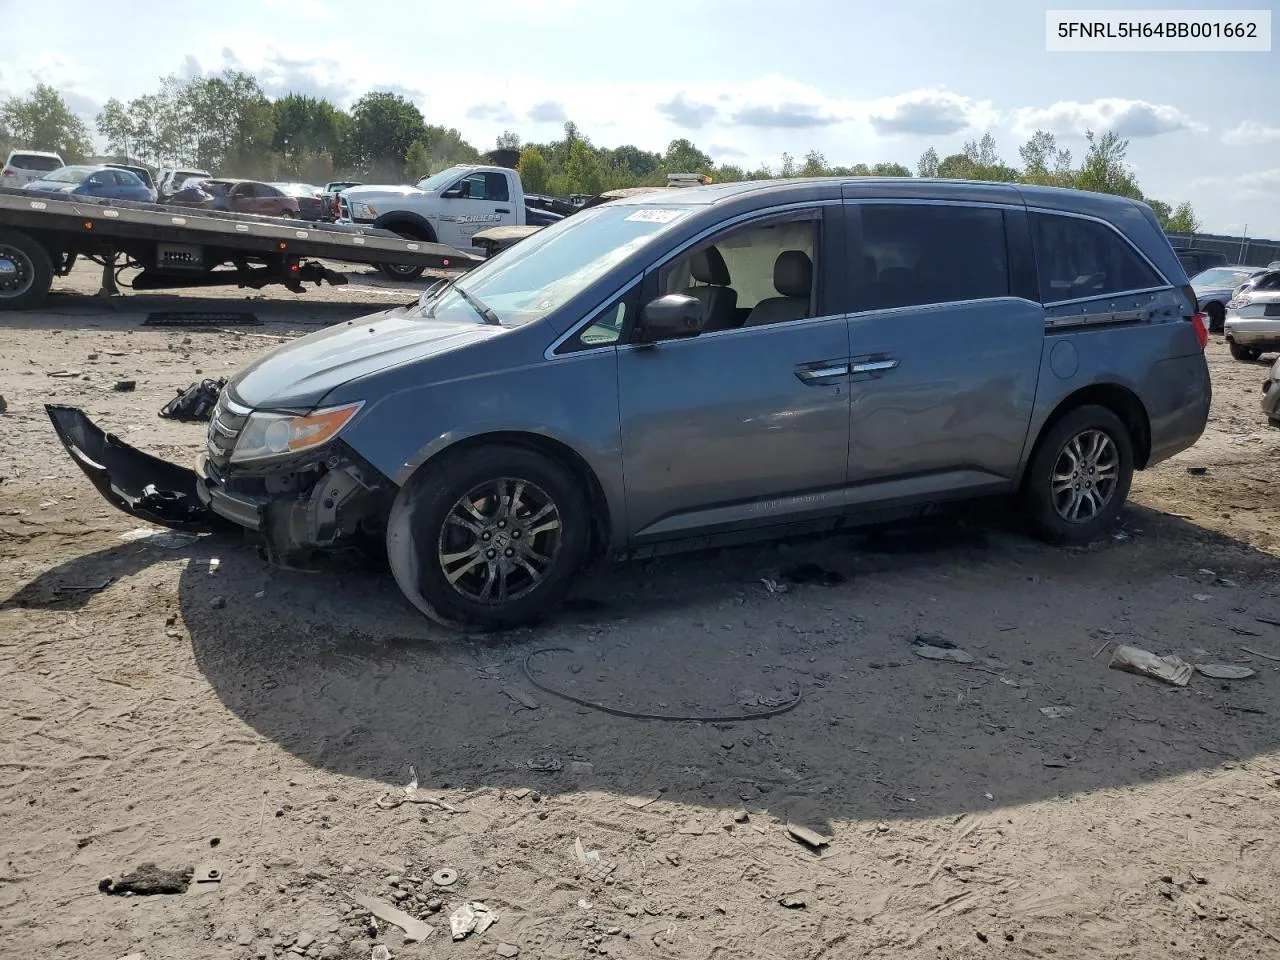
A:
(499, 541)
(400, 269)
(17, 272)
(1085, 476)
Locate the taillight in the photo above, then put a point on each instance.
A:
(10, 173)
(1202, 331)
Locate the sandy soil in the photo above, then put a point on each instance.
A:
(250, 719)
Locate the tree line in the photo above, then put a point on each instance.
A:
(228, 125)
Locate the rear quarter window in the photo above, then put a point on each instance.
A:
(28, 161)
(1077, 259)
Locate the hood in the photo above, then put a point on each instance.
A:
(298, 374)
(390, 190)
(51, 186)
(1213, 292)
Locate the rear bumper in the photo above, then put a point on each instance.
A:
(1263, 332)
(1271, 397)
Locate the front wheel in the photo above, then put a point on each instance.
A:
(400, 271)
(490, 537)
(1079, 478)
(1244, 354)
(26, 271)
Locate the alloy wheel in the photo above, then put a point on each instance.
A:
(1085, 475)
(17, 272)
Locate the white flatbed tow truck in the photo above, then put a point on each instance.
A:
(41, 236)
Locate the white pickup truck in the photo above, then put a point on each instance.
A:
(448, 207)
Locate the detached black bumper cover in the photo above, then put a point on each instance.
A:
(141, 485)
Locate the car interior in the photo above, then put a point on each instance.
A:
(750, 278)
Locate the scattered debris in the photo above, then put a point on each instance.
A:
(507, 950)
(414, 930)
(381, 952)
(1120, 535)
(520, 697)
(773, 586)
(3, 406)
(125, 386)
(810, 838)
(166, 539)
(214, 564)
(1197, 471)
(813, 573)
(471, 917)
(65, 374)
(1269, 620)
(195, 403)
(741, 816)
(545, 764)
(198, 318)
(209, 873)
(933, 647)
(149, 879)
(1225, 671)
(1202, 597)
(1259, 653)
(1057, 712)
(217, 603)
(84, 587)
(792, 902)
(639, 803)
(445, 877)
(412, 785)
(1169, 669)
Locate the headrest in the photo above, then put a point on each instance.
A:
(707, 266)
(793, 273)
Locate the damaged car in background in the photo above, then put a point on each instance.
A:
(700, 367)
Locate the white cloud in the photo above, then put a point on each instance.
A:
(1128, 118)
(931, 113)
(1250, 133)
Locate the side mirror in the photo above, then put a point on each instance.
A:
(672, 317)
(453, 193)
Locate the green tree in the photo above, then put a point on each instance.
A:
(582, 170)
(788, 168)
(116, 126)
(1104, 169)
(307, 126)
(1162, 211)
(957, 166)
(1183, 220)
(728, 173)
(42, 121)
(815, 165)
(229, 118)
(534, 171)
(383, 127)
(508, 140)
(927, 165)
(447, 147)
(683, 157)
(417, 161)
(890, 170)
(1043, 162)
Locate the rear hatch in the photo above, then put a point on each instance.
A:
(26, 168)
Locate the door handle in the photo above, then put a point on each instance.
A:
(815, 374)
(501, 210)
(873, 366)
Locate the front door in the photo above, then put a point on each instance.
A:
(476, 202)
(945, 343)
(747, 423)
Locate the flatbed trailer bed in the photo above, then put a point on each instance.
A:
(41, 236)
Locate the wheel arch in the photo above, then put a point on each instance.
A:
(555, 449)
(408, 224)
(1117, 398)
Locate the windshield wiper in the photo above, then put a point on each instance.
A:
(480, 307)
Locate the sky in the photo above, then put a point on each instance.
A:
(746, 81)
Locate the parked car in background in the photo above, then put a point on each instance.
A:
(1271, 394)
(84, 181)
(1253, 318)
(25, 166)
(142, 173)
(172, 179)
(251, 196)
(337, 186)
(194, 193)
(312, 202)
(1194, 260)
(1214, 288)
(703, 366)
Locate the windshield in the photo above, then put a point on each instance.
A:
(541, 274)
(70, 174)
(438, 180)
(1221, 277)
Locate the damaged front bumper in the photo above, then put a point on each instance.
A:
(315, 502)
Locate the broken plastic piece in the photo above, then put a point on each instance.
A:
(1169, 669)
(414, 929)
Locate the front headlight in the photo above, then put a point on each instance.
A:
(278, 434)
(363, 211)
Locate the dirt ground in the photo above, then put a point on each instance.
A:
(264, 722)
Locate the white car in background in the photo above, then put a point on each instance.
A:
(1253, 318)
(28, 166)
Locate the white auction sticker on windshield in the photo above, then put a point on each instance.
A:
(651, 215)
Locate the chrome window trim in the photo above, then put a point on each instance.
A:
(1110, 296)
(859, 314)
(622, 291)
(1119, 233)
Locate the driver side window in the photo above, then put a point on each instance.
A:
(750, 277)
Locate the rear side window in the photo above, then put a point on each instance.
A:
(1077, 259)
(914, 254)
(29, 161)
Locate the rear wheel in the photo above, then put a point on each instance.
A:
(1245, 354)
(400, 271)
(26, 272)
(491, 537)
(1079, 477)
(1217, 317)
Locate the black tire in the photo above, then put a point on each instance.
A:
(1217, 315)
(1042, 503)
(1274, 421)
(27, 282)
(420, 524)
(1244, 354)
(400, 271)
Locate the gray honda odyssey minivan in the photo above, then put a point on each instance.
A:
(697, 367)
